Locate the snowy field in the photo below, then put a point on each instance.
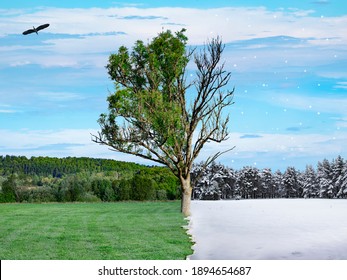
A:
(278, 229)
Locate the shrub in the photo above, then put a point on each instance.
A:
(89, 197)
(8, 190)
(42, 194)
(161, 195)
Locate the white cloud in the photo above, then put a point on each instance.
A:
(229, 22)
(341, 122)
(7, 109)
(93, 27)
(341, 85)
(58, 143)
(3, 111)
(309, 144)
(324, 104)
(278, 151)
(59, 96)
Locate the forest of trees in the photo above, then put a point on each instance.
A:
(328, 180)
(45, 179)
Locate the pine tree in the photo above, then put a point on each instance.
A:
(290, 181)
(325, 179)
(278, 178)
(342, 182)
(209, 184)
(310, 184)
(267, 183)
(337, 174)
(249, 182)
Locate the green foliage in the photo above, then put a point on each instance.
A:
(165, 180)
(161, 195)
(59, 167)
(8, 189)
(143, 188)
(102, 188)
(124, 190)
(90, 185)
(145, 111)
(89, 197)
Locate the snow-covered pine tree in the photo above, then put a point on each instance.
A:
(208, 181)
(268, 185)
(278, 178)
(249, 182)
(226, 182)
(310, 184)
(342, 182)
(290, 181)
(325, 179)
(198, 175)
(337, 170)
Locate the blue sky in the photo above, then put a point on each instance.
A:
(288, 61)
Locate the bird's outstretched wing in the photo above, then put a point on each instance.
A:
(43, 26)
(29, 31)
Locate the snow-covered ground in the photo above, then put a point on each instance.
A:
(289, 229)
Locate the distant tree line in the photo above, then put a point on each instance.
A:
(328, 180)
(44, 179)
(58, 167)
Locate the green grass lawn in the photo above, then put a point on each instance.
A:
(93, 231)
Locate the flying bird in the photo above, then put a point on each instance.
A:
(29, 31)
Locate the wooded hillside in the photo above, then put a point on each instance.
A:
(46, 179)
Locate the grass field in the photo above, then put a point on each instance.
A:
(93, 231)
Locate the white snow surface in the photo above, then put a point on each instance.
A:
(269, 229)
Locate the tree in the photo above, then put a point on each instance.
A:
(143, 188)
(310, 184)
(291, 184)
(249, 182)
(149, 115)
(267, 183)
(337, 170)
(342, 182)
(9, 190)
(325, 179)
(210, 184)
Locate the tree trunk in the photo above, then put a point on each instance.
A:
(186, 196)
